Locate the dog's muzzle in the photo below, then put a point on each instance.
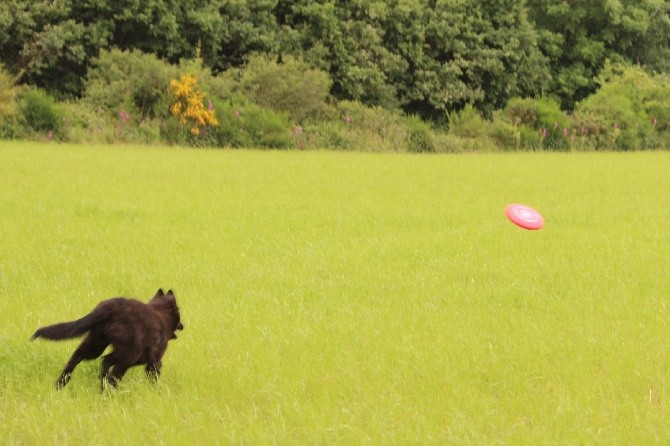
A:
(179, 327)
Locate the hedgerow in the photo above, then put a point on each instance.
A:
(131, 97)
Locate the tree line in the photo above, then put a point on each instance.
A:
(424, 57)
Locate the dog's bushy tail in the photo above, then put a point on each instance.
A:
(69, 330)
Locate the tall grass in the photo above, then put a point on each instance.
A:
(341, 298)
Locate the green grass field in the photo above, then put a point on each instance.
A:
(342, 298)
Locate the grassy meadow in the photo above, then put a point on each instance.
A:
(342, 298)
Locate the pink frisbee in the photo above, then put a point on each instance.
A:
(524, 216)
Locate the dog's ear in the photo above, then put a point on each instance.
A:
(170, 293)
(159, 293)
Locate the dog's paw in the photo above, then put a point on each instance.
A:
(63, 380)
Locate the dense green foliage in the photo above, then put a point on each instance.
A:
(298, 59)
(8, 92)
(131, 81)
(127, 99)
(42, 113)
(630, 111)
(424, 55)
(579, 36)
(292, 86)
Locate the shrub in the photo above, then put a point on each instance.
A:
(10, 128)
(419, 137)
(267, 128)
(9, 91)
(473, 133)
(291, 86)
(370, 129)
(188, 104)
(131, 81)
(326, 135)
(251, 126)
(172, 132)
(629, 110)
(222, 87)
(468, 123)
(367, 119)
(448, 143)
(41, 112)
(484, 144)
(540, 121)
(81, 115)
(503, 134)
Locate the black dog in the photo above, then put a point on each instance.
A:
(138, 332)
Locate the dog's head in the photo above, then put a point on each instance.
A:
(169, 301)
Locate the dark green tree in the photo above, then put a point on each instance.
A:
(53, 43)
(478, 52)
(578, 36)
(426, 56)
(247, 27)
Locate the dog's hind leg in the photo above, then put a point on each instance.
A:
(118, 366)
(117, 373)
(90, 348)
(107, 362)
(153, 370)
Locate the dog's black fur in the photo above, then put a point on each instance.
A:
(138, 332)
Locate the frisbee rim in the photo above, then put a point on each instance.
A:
(531, 225)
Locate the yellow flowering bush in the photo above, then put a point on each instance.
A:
(188, 104)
